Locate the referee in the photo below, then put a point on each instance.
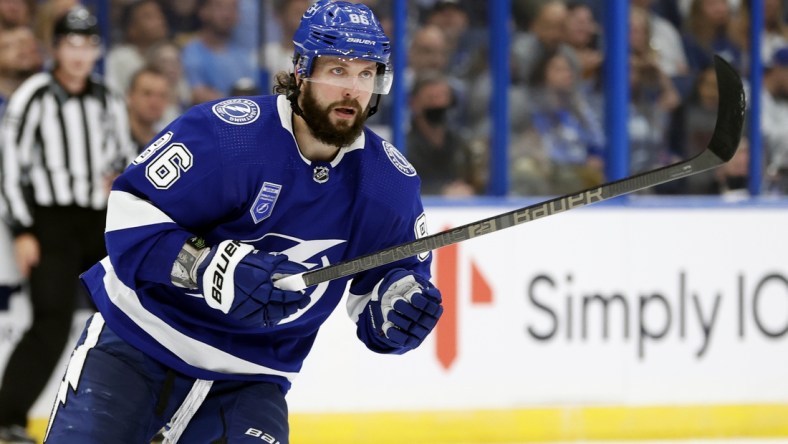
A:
(63, 135)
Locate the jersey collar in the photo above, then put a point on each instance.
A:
(286, 119)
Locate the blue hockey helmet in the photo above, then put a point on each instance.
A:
(346, 30)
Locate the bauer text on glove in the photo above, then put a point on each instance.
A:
(238, 280)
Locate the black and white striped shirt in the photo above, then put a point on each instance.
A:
(59, 149)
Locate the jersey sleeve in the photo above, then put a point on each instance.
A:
(392, 226)
(394, 230)
(21, 121)
(394, 212)
(172, 191)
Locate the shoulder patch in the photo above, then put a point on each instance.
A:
(399, 161)
(266, 199)
(237, 111)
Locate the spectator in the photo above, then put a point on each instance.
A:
(211, 61)
(546, 35)
(14, 13)
(62, 133)
(774, 115)
(143, 26)
(47, 13)
(20, 57)
(665, 40)
(583, 35)
(670, 10)
(560, 151)
(246, 34)
(429, 51)
(775, 30)
(546, 23)
(147, 98)
(450, 17)
(279, 53)
(464, 44)
(117, 10)
(182, 19)
(442, 158)
(653, 98)
(165, 56)
(707, 32)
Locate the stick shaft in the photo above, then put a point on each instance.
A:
(702, 162)
(724, 141)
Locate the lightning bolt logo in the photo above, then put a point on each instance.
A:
(309, 253)
(240, 109)
(75, 366)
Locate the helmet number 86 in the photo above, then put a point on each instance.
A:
(163, 171)
(355, 18)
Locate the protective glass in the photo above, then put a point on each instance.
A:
(344, 73)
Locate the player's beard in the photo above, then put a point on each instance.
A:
(323, 129)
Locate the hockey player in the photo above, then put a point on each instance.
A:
(193, 334)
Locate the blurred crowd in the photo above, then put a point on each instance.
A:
(167, 55)
(556, 95)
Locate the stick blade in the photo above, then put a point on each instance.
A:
(730, 111)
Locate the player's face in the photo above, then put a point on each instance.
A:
(344, 78)
(336, 99)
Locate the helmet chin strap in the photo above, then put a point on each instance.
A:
(374, 108)
(292, 96)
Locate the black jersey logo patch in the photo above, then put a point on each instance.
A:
(237, 111)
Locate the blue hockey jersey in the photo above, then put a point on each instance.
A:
(231, 169)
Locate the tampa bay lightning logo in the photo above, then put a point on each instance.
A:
(309, 253)
(237, 111)
(399, 161)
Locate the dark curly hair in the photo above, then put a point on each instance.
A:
(285, 82)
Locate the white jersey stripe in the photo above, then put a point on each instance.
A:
(55, 151)
(126, 210)
(193, 352)
(74, 118)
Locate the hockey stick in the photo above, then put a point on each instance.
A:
(721, 148)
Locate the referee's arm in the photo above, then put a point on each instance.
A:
(17, 135)
(124, 149)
